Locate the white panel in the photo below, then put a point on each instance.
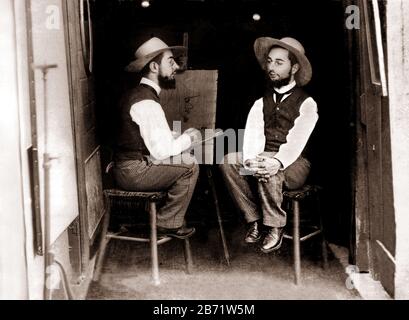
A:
(49, 48)
(13, 277)
(398, 78)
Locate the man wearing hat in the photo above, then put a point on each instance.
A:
(144, 139)
(277, 130)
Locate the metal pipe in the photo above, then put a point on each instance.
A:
(49, 255)
(154, 244)
(296, 241)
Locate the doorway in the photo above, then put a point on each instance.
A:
(220, 36)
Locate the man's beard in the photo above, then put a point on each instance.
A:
(279, 83)
(166, 82)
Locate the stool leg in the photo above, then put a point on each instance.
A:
(324, 250)
(219, 218)
(296, 241)
(188, 257)
(104, 242)
(154, 244)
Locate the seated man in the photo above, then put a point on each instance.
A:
(145, 140)
(277, 130)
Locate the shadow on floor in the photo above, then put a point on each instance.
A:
(252, 274)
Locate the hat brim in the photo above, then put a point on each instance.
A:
(261, 49)
(138, 64)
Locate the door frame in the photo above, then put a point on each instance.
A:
(375, 232)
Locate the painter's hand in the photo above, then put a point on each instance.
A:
(194, 134)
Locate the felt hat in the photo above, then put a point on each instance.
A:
(262, 48)
(149, 50)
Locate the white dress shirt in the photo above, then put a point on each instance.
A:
(254, 139)
(154, 128)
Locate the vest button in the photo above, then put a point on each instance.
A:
(278, 109)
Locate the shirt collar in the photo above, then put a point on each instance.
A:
(151, 84)
(286, 88)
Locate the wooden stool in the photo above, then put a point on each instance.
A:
(294, 197)
(151, 198)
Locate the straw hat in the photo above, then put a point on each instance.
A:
(262, 48)
(149, 50)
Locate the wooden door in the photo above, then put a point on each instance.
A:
(379, 220)
(78, 16)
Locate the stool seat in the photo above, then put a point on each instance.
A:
(120, 197)
(149, 196)
(301, 193)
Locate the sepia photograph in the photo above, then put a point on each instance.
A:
(204, 154)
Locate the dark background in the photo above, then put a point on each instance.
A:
(221, 36)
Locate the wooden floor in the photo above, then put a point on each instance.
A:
(252, 274)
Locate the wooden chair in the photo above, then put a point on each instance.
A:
(118, 197)
(292, 199)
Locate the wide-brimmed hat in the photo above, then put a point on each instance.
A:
(149, 50)
(263, 45)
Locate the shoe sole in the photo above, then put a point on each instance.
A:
(278, 246)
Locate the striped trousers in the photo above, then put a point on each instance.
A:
(179, 180)
(262, 200)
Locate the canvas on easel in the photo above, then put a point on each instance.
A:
(193, 104)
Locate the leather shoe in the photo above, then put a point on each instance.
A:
(253, 234)
(180, 233)
(273, 240)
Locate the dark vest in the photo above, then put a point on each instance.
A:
(129, 144)
(279, 117)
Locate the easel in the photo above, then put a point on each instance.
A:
(209, 173)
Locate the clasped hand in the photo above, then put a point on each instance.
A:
(263, 167)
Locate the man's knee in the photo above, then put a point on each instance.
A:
(275, 181)
(195, 169)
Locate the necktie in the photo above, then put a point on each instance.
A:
(279, 96)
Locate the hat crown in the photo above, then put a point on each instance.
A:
(293, 43)
(150, 46)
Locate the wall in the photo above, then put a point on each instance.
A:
(21, 269)
(13, 273)
(398, 78)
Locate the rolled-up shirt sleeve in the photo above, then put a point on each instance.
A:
(299, 134)
(254, 140)
(155, 131)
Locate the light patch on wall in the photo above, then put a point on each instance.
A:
(256, 17)
(145, 4)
